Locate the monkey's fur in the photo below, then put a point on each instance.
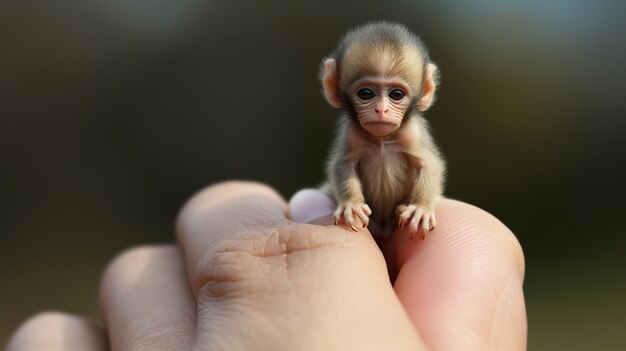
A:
(383, 162)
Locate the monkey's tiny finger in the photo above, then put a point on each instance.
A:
(366, 222)
(363, 217)
(408, 212)
(433, 221)
(419, 213)
(349, 219)
(338, 212)
(404, 216)
(426, 223)
(366, 209)
(415, 221)
(400, 209)
(337, 215)
(401, 222)
(407, 215)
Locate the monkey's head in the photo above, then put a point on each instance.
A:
(380, 74)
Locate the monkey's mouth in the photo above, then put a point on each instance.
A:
(392, 124)
(380, 128)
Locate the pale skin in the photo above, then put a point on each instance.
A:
(266, 281)
(384, 162)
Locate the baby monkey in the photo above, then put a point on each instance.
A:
(383, 162)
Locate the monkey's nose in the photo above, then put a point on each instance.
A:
(381, 107)
(381, 112)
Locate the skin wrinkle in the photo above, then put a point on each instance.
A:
(229, 266)
(214, 309)
(238, 259)
(251, 221)
(366, 109)
(295, 246)
(364, 82)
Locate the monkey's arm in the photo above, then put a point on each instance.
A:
(345, 185)
(419, 213)
(428, 186)
(348, 193)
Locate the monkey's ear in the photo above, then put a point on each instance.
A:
(431, 80)
(330, 83)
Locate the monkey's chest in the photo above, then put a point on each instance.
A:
(387, 178)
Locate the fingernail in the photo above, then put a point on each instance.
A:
(310, 204)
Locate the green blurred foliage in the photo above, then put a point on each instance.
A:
(112, 113)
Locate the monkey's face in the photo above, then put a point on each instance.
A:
(380, 104)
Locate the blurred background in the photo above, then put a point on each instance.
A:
(113, 112)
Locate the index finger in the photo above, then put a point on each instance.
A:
(225, 215)
(260, 278)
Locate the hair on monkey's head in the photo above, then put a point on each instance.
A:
(379, 33)
(383, 49)
(379, 74)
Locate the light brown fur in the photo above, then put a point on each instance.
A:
(399, 174)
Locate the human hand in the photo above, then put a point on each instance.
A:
(462, 286)
(246, 277)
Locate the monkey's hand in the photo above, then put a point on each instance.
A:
(347, 212)
(420, 219)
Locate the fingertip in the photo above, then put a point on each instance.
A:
(462, 285)
(214, 206)
(222, 191)
(53, 331)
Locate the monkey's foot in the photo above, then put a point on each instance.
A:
(419, 219)
(350, 211)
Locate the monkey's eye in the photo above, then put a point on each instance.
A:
(396, 94)
(365, 94)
